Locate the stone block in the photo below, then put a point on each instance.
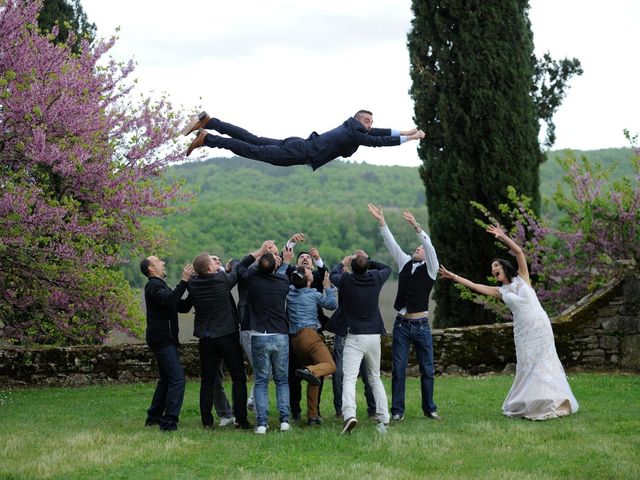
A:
(609, 342)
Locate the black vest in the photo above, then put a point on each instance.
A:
(413, 290)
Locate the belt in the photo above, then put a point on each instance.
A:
(413, 316)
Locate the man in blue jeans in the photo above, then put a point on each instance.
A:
(267, 290)
(163, 305)
(415, 280)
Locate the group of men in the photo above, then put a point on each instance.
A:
(277, 323)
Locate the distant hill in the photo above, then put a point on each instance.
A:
(238, 203)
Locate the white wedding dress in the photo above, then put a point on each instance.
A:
(540, 390)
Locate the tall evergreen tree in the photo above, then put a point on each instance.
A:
(68, 15)
(472, 67)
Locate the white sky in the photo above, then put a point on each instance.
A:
(287, 67)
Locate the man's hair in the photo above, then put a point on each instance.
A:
(359, 264)
(360, 113)
(201, 263)
(267, 263)
(302, 253)
(298, 278)
(144, 267)
(507, 267)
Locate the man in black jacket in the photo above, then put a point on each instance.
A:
(216, 326)
(315, 151)
(267, 289)
(360, 322)
(163, 305)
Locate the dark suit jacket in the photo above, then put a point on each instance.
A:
(163, 305)
(215, 309)
(359, 295)
(266, 297)
(343, 141)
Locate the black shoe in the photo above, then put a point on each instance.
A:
(295, 417)
(151, 422)
(314, 421)
(348, 425)
(208, 426)
(307, 375)
(243, 425)
(168, 427)
(433, 416)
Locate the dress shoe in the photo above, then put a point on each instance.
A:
(307, 375)
(198, 141)
(314, 421)
(433, 416)
(196, 124)
(243, 425)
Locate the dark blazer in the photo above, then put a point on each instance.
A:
(343, 141)
(211, 297)
(266, 298)
(163, 305)
(358, 312)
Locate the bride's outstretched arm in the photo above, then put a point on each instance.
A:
(523, 270)
(476, 287)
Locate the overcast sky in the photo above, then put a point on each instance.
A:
(287, 67)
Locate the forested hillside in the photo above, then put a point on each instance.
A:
(238, 203)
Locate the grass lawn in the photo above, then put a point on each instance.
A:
(96, 432)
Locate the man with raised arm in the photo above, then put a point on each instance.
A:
(415, 280)
(360, 322)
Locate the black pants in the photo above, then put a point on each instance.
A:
(280, 152)
(212, 351)
(169, 393)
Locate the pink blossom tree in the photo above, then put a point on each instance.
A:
(79, 168)
(600, 226)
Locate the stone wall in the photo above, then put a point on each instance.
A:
(601, 332)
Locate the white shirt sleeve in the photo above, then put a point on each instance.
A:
(396, 252)
(319, 263)
(429, 254)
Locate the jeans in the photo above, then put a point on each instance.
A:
(220, 400)
(212, 350)
(270, 355)
(336, 379)
(417, 332)
(167, 398)
(245, 341)
(356, 349)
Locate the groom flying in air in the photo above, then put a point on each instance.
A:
(314, 151)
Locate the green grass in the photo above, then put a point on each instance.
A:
(96, 432)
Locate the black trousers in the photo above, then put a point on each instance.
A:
(212, 351)
(280, 152)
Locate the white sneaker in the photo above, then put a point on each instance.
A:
(285, 427)
(226, 421)
(381, 428)
(261, 430)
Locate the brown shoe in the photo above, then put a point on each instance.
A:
(198, 141)
(197, 123)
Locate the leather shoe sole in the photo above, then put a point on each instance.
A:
(198, 141)
(196, 124)
(307, 375)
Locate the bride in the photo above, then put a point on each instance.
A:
(540, 390)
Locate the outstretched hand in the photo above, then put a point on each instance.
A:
(497, 232)
(418, 135)
(408, 216)
(314, 253)
(445, 273)
(187, 272)
(376, 212)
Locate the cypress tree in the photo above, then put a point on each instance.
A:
(472, 68)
